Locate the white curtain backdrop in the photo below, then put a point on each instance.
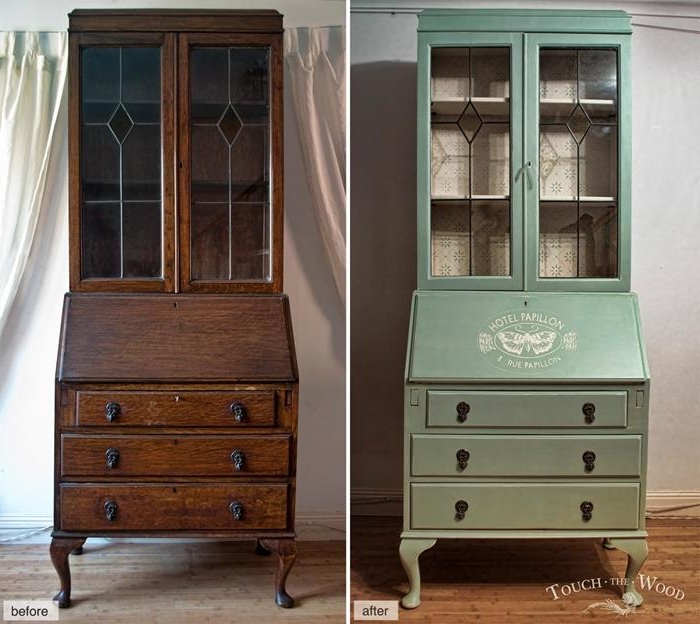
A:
(315, 58)
(32, 80)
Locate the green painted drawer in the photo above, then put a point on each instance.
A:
(524, 506)
(526, 455)
(526, 409)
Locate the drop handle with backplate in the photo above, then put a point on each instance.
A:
(112, 411)
(589, 460)
(238, 459)
(112, 456)
(238, 411)
(462, 411)
(110, 509)
(461, 508)
(587, 510)
(588, 410)
(236, 509)
(462, 458)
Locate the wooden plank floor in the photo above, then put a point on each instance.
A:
(174, 583)
(504, 581)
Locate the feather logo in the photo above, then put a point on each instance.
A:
(612, 607)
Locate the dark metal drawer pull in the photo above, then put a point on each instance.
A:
(588, 410)
(462, 411)
(110, 508)
(462, 458)
(238, 411)
(236, 509)
(461, 508)
(238, 459)
(112, 410)
(112, 455)
(589, 459)
(587, 510)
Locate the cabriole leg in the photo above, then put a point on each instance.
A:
(607, 545)
(636, 549)
(409, 551)
(60, 548)
(286, 550)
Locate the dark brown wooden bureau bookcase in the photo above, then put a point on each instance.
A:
(176, 381)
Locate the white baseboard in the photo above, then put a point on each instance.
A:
(659, 503)
(376, 502)
(670, 503)
(24, 522)
(310, 526)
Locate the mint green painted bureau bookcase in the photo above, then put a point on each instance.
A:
(527, 385)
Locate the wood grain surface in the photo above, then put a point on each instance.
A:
(175, 408)
(505, 581)
(181, 582)
(207, 20)
(171, 507)
(165, 338)
(177, 456)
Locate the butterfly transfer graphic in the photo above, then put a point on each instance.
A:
(525, 340)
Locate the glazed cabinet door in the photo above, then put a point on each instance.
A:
(121, 141)
(230, 210)
(470, 161)
(577, 129)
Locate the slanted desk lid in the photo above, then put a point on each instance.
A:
(176, 338)
(536, 337)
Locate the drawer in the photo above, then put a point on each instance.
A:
(526, 409)
(526, 455)
(173, 507)
(174, 456)
(524, 506)
(176, 409)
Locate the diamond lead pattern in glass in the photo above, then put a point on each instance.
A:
(120, 124)
(469, 122)
(578, 214)
(230, 125)
(230, 154)
(470, 162)
(578, 124)
(121, 213)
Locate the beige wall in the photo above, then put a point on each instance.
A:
(28, 347)
(665, 257)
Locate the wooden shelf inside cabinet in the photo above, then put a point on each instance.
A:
(570, 198)
(486, 106)
(448, 198)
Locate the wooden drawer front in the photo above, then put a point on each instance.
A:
(526, 409)
(524, 506)
(526, 456)
(174, 456)
(176, 409)
(172, 507)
